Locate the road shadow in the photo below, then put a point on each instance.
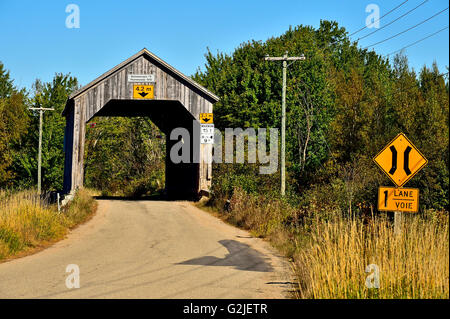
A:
(241, 256)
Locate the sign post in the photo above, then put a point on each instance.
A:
(398, 222)
(400, 160)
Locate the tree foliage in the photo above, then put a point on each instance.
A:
(343, 105)
(14, 122)
(54, 95)
(124, 156)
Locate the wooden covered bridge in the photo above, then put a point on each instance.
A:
(143, 85)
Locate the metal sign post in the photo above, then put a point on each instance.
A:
(398, 221)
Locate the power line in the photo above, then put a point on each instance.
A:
(414, 26)
(409, 45)
(392, 10)
(386, 25)
(387, 13)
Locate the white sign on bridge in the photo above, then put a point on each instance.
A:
(207, 133)
(140, 78)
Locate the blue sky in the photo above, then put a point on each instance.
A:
(35, 43)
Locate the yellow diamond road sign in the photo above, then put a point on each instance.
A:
(400, 160)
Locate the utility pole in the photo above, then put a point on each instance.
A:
(41, 113)
(284, 58)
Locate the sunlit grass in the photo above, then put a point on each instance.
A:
(412, 264)
(330, 252)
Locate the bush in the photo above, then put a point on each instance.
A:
(27, 222)
(80, 209)
(146, 185)
(331, 248)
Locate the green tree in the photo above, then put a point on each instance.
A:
(124, 156)
(52, 94)
(14, 121)
(344, 104)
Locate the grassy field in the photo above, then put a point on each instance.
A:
(411, 264)
(28, 224)
(331, 251)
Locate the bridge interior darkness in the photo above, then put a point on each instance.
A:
(181, 178)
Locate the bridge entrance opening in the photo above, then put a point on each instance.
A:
(124, 157)
(126, 153)
(168, 98)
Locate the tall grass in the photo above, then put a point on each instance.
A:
(412, 264)
(27, 222)
(330, 251)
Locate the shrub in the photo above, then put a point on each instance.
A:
(27, 222)
(331, 248)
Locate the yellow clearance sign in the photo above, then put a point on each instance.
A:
(206, 118)
(400, 160)
(143, 91)
(398, 199)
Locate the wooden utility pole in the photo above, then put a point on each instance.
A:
(284, 58)
(41, 113)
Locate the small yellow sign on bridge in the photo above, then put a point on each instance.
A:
(206, 118)
(143, 91)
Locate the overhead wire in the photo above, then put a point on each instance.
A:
(386, 25)
(409, 29)
(414, 43)
(384, 15)
(366, 26)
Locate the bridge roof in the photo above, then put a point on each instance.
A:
(151, 56)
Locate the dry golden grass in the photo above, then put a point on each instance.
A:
(412, 264)
(259, 214)
(330, 253)
(26, 223)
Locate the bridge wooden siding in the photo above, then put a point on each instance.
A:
(170, 85)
